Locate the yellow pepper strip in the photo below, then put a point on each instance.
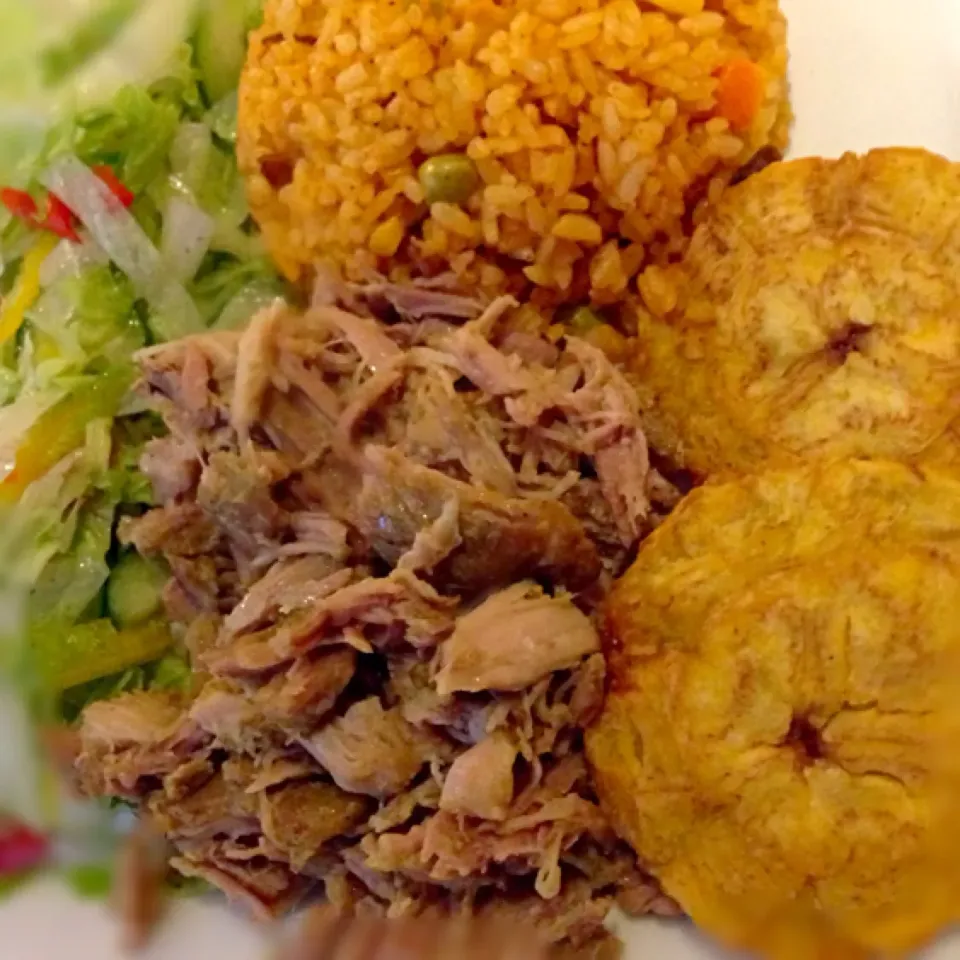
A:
(26, 290)
(89, 651)
(61, 430)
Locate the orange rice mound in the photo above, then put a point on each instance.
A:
(596, 128)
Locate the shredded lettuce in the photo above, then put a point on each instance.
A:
(143, 52)
(222, 118)
(92, 34)
(60, 55)
(24, 112)
(90, 317)
(229, 291)
(171, 672)
(94, 314)
(146, 88)
(71, 582)
(124, 481)
(133, 134)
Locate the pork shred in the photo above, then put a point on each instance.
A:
(388, 520)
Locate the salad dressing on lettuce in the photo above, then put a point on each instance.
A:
(123, 223)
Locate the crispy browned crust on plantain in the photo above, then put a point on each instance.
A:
(779, 737)
(817, 314)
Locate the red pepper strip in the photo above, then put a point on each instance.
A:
(21, 848)
(60, 220)
(20, 204)
(114, 185)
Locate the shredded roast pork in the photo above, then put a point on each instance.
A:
(388, 521)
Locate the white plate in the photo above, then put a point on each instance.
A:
(865, 73)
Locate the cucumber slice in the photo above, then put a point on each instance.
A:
(220, 45)
(135, 590)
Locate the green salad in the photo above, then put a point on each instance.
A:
(123, 223)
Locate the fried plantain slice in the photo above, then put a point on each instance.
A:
(817, 313)
(779, 738)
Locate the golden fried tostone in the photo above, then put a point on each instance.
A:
(816, 314)
(779, 742)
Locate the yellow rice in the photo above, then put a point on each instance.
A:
(593, 125)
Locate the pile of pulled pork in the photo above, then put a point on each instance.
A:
(388, 520)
